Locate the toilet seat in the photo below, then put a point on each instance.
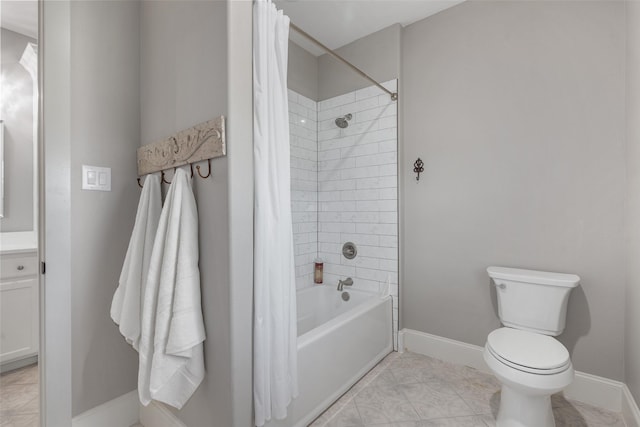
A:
(528, 352)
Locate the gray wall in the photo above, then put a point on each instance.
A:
(105, 130)
(17, 113)
(302, 72)
(632, 341)
(184, 82)
(377, 54)
(517, 109)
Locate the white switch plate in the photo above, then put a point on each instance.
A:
(96, 178)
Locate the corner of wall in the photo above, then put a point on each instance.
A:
(632, 320)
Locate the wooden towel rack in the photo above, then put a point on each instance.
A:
(204, 141)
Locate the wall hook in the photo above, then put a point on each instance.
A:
(418, 167)
(139, 185)
(164, 180)
(207, 175)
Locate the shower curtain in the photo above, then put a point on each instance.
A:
(275, 331)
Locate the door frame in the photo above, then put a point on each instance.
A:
(54, 157)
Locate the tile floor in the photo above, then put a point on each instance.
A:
(20, 398)
(404, 390)
(412, 390)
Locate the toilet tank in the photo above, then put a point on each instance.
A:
(532, 300)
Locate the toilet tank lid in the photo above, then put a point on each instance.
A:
(533, 276)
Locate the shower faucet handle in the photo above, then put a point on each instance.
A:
(349, 250)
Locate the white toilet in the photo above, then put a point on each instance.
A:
(530, 364)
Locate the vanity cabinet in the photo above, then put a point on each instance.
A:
(19, 306)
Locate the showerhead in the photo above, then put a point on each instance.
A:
(343, 122)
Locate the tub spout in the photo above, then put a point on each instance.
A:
(347, 282)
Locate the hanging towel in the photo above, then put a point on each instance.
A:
(171, 345)
(126, 306)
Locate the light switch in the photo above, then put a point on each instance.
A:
(96, 178)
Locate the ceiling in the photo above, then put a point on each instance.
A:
(337, 23)
(333, 22)
(20, 16)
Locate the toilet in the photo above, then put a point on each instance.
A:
(530, 364)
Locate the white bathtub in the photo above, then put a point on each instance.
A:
(338, 342)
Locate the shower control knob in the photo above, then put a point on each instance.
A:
(349, 250)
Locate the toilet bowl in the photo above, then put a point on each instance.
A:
(531, 367)
(530, 364)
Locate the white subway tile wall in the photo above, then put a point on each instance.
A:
(355, 175)
(304, 185)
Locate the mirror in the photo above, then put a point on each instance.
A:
(19, 114)
(1, 169)
(19, 95)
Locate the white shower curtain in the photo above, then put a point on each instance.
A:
(275, 331)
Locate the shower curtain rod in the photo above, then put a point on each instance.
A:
(394, 95)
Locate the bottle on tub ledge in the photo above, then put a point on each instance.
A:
(318, 266)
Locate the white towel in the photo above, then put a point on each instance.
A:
(171, 349)
(126, 306)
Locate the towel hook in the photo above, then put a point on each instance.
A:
(207, 175)
(418, 168)
(164, 180)
(139, 185)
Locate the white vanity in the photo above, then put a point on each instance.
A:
(19, 300)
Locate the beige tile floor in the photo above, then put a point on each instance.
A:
(408, 390)
(20, 398)
(411, 390)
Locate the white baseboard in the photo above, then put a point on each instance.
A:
(444, 349)
(17, 364)
(157, 415)
(630, 411)
(594, 390)
(587, 388)
(119, 412)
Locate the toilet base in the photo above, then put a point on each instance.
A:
(521, 410)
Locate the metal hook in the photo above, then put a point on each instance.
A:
(207, 175)
(139, 185)
(164, 180)
(418, 168)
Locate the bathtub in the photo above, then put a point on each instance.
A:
(338, 342)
